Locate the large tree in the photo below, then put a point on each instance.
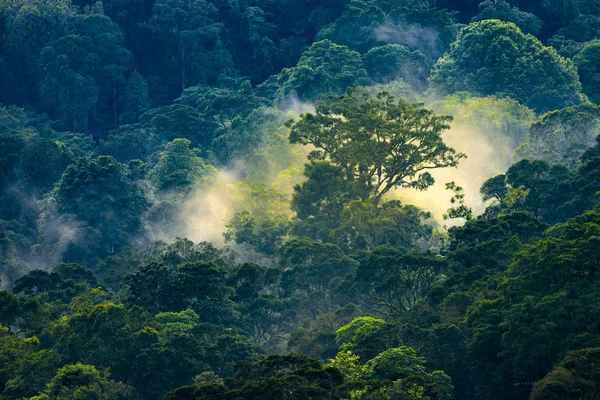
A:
(101, 193)
(494, 57)
(587, 62)
(380, 143)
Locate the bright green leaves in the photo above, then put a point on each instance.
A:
(379, 143)
(493, 57)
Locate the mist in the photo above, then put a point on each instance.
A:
(483, 161)
(261, 184)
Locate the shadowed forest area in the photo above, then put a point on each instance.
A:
(299, 199)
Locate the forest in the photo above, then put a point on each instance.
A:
(299, 199)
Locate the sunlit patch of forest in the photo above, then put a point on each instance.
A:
(299, 199)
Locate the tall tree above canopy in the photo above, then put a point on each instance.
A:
(380, 143)
(492, 57)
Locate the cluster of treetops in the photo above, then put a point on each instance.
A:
(114, 114)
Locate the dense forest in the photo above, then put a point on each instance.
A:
(300, 199)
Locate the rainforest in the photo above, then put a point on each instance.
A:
(299, 199)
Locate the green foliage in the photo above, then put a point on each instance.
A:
(313, 275)
(587, 67)
(82, 71)
(325, 68)
(550, 193)
(367, 24)
(379, 143)
(101, 193)
(292, 377)
(320, 200)
(501, 121)
(502, 10)
(179, 168)
(176, 121)
(79, 381)
(551, 286)
(396, 363)
(63, 283)
(392, 282)
(266, 236)
(488, 55)
(189, 42)
(114, 113)
(394, 61)
(492, 242)
(134, 100)
(131, 142)
(461, 210)
(359, 332)
(562, 136)
(575, 377)
(365, 226)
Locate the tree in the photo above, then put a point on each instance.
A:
(379, 143)
(576, 377)
(25, 367)
(112, 60)
(69, 95)
(131, 142)
(325, 68)
(265, 235)
(493, 57)
(355, 26)
(319, 201)
(587, 66)
(62, 284)
(79, 381)
(551, 284)
(189, 42)
(288, 377)
(153, 286)
(562, 136)
(502, 10)
(313, 275)
(367, 24)
(179, 168)
(391, 281)
(101, 193)
(403, 376)
(397, 363)
(363, 226)
(395, 61)
(134, 100)
(492, 242)
(83, 72)
(178, 121)
(28, 27)
(367, 337)
(495, 189)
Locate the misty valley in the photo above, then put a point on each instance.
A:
(299, 200)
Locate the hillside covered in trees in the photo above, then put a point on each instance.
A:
(299, 199)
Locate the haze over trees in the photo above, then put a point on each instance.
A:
(299, 199)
